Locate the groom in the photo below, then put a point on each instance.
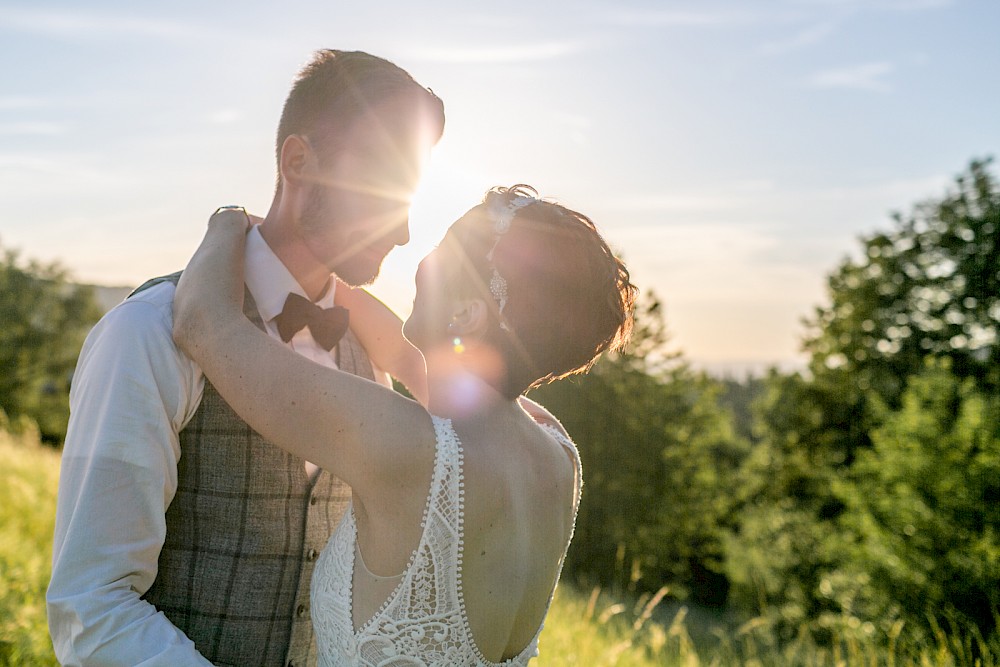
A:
(182, 537)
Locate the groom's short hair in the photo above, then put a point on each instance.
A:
(337, 88)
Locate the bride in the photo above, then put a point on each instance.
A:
(463, 507)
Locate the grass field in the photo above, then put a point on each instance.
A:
(583, 630)
(28, 480)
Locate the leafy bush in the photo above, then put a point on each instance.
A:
(43, 321)
(871, 503)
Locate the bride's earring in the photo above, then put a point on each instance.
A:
(456, 341)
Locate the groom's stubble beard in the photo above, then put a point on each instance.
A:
(354, 261)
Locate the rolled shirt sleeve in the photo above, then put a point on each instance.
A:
(132, 393)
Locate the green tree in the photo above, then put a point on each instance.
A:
(929, 287)
(656, 451)
(43, 321)
(804, 548)
(787, 537)
(925, 503)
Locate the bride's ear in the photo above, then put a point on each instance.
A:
(469, 317)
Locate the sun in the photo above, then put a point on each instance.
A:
(448, 188)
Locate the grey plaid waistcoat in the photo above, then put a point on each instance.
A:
(243, 533)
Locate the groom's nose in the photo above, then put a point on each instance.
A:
(401, 232)
(394, 227)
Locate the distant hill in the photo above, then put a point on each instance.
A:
(109, 297)
(741, 369)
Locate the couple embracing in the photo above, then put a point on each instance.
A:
(240, 484)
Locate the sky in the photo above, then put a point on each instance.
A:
(732, 152)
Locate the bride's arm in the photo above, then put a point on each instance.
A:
(353, 427)
(381, 334)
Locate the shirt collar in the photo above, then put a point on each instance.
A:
(269, 281)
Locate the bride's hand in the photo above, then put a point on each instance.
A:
(210, 292)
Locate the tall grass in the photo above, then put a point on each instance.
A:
(601, 631)
(584, 629)
(29, 476)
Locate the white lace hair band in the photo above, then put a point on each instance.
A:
(503, 215)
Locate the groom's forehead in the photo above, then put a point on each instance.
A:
(374, 176)
(389, 127)
(381, 161)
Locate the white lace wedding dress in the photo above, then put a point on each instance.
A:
(423, 623)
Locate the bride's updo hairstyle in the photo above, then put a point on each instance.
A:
(559, 295)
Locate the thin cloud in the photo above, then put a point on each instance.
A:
(576, 126)
(500, 54)
(31, 178)
(884, 5)
(225, 116)
(32, 128)
(869, 76)
(90, 26)
(31, 162)
(828, 15)
(678, 18)
(51, 164)
(722, 197)
(754, 200)
(802, 39)
(573, 119)
(21, 102)
(892, 191)
(676, 203)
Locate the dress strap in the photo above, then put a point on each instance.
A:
(560, 436)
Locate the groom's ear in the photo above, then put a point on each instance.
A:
(469, 317)
(295, 160)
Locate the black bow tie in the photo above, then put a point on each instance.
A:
(327, 325)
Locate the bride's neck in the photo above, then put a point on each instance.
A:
(457, 389)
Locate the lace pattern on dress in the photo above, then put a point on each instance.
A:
(424, 621)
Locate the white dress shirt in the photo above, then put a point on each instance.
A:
(132, 394)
